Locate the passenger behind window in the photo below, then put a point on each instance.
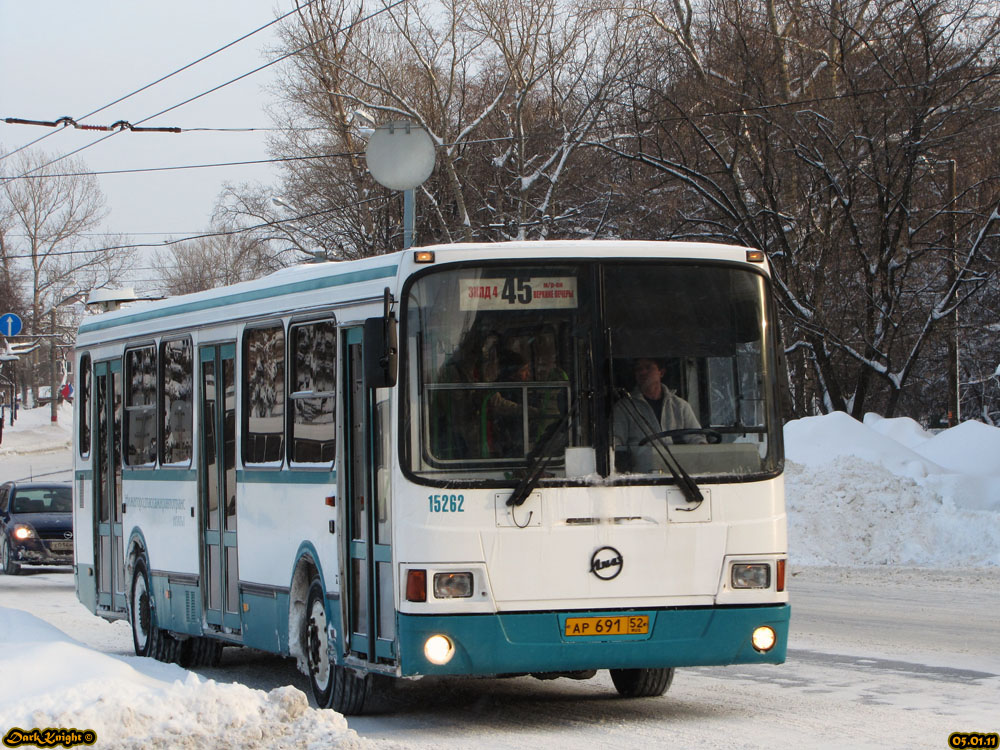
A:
(502, 412)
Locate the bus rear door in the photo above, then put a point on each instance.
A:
(108, 509)
(217, 488)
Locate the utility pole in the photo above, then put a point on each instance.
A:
(54, 386)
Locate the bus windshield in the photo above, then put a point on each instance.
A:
(606, 371)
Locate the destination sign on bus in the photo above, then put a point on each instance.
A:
(518, 292)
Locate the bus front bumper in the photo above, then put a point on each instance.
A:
(533, 642)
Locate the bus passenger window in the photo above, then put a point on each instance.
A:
(313, 427)
(140, 406)
(264, 394)
(176, 405)
(83, 405)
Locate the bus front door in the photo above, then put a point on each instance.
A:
(108, 510)
(369, 611)
(217, 488)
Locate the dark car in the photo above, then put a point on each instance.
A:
(36, 525)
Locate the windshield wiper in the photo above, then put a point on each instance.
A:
(541, 454)
(689, 488)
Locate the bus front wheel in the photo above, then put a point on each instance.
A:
(334, 686)
(642, 683)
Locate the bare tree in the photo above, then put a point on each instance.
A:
(508, 91)
(50, 211)
(813, 131)
(226, 255)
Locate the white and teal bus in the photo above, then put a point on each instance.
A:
(417, 464)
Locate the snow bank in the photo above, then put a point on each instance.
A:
(141, 703)
(815, 441)
(887, 492)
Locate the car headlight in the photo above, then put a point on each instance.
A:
(23, 532)
(452, 585)
(751, 576)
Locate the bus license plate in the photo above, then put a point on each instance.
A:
(61, 546)
(623, 625)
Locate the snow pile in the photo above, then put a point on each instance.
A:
(34, 431)
(141, 703)
(887, 492)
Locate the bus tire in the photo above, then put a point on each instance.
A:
(642, 683)
(10, 567)
(141, 615)
(334, 686)
(148, 638)
(199, 651)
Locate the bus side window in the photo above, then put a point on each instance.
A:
(313, 385)
(264, 394)
(176, 401)
(83, 405)
(140, 406)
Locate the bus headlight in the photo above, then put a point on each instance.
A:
(23, 532)
(763, 639)
(439, 649)
(452, 585)
(751, 576)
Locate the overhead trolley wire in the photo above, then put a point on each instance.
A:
(278, 59)
(175, 167)
(70, 121)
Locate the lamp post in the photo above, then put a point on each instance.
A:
(400, 156)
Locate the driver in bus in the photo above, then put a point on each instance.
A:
(659, 408)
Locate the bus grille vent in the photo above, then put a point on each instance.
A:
(191, 606)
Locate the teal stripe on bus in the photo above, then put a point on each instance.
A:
(263, 476)
(295, 287)
(250, 476)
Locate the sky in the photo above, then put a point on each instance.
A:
(67, 58)
(880, 495)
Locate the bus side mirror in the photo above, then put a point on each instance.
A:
(381, 352)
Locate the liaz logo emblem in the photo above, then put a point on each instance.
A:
(606, 563)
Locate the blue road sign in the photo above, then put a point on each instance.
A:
(10, 324)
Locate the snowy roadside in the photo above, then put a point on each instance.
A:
(133, 702)
(34, 432)
(35, 448)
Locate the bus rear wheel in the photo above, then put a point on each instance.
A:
(642, 683)
(334, 686)
(141, 616)
(147, 638)
(199, 651)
